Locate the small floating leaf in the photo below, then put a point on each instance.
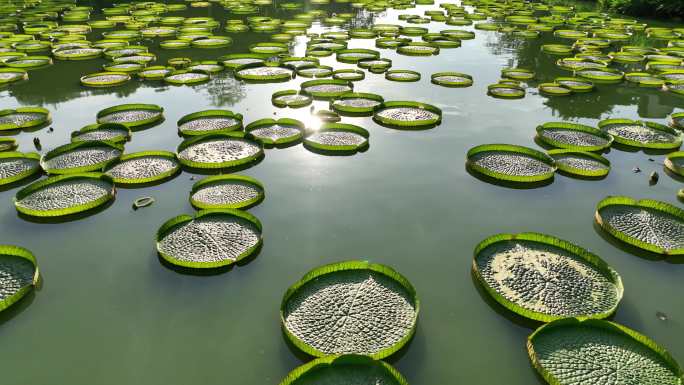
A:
(641, 134)
(580, 163)
(23, 118)
(105, 79)
(356, 103)
(326, 89)
(312, 321)
(674, 162)
(112, 132)
(452, 79)
(409, 115)
(402, 76)
(290, 98)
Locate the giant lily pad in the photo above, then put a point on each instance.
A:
(345, 369)
(15, 166)
(337, 137)
(580, 163)
(545, 278)
(574, 136)
(18, 274)
(675, 162)
(591, 352)
(318, 312)
(24, 118)
(143, 167)
(648, 224)
(222, 150)
(408, 115)
(276, 132)
(263, 73)
(326, 88)
(131, 115)
(641, 134)
(80, 157)
(226, 192)
(290, 98)
(512, 163)
(64, 195)
(111, 132)
(211, 239)
(209, 122)
(357, 103)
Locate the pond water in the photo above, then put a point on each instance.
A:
(109, 312)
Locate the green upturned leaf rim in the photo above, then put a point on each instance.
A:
(339, 55)
(19, 252)
(389, 75)
(271, 122)
(674, 116)
(510, 73)
(590, 258)
(406, 124)
(103, 126)
(205, 77)
(7, 144)
(221, 135)
(341, 360)
(660, 352)
(41, 184)
(209, 114)
(669, 162)
(180, 220)
(142, 74)
(75, 146)
(46, 119)
(406, 49)
(513, 149)
(492, 91)
(24, 174)
(142, 154)
(85, 79)
(360, 75)
(652, 204)
(580, 171)
(293, 104)
(130, 107)
(615, 77)
(457, 84)
(262, 78)
(628, 142)
(338, 127)
(573, 127)
(575, 88)
(46, 61)
(23, 75)
(633, 77)
(323, 94)
(219, 179)
(347, 266)
(356, 110)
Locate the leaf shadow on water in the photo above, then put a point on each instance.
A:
(17, 308)
(211, 271)
(643, 254)
(66, 218)
(508, 184)
(336, 152)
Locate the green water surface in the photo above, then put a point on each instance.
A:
(110, 313)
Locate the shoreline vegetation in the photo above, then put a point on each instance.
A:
(665, 9)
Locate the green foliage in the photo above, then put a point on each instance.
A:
(667, 8)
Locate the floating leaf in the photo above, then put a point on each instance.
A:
(112, 132)
(64, 195)
(276, 132)
(511, 163)
(15, 166)
(24, 118)
(18, 274)
(312, 320)
(217, 151)
(326, 88)
(580, 163)
(408, 115)
(452, 79)
(402, 76)
(674, 162)
(357, 103)
(211, 239)
(290, 98)
(574, 136)
(337, 137)
(226, 192)
(105, 79)
(545, 278)
(209, 122)
(641, 134)
(571, 351)
(81, 156)
(143, 167)
(131, 115)
(345, 369)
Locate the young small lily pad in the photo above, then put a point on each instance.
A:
(18, 274)
(226, 192)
